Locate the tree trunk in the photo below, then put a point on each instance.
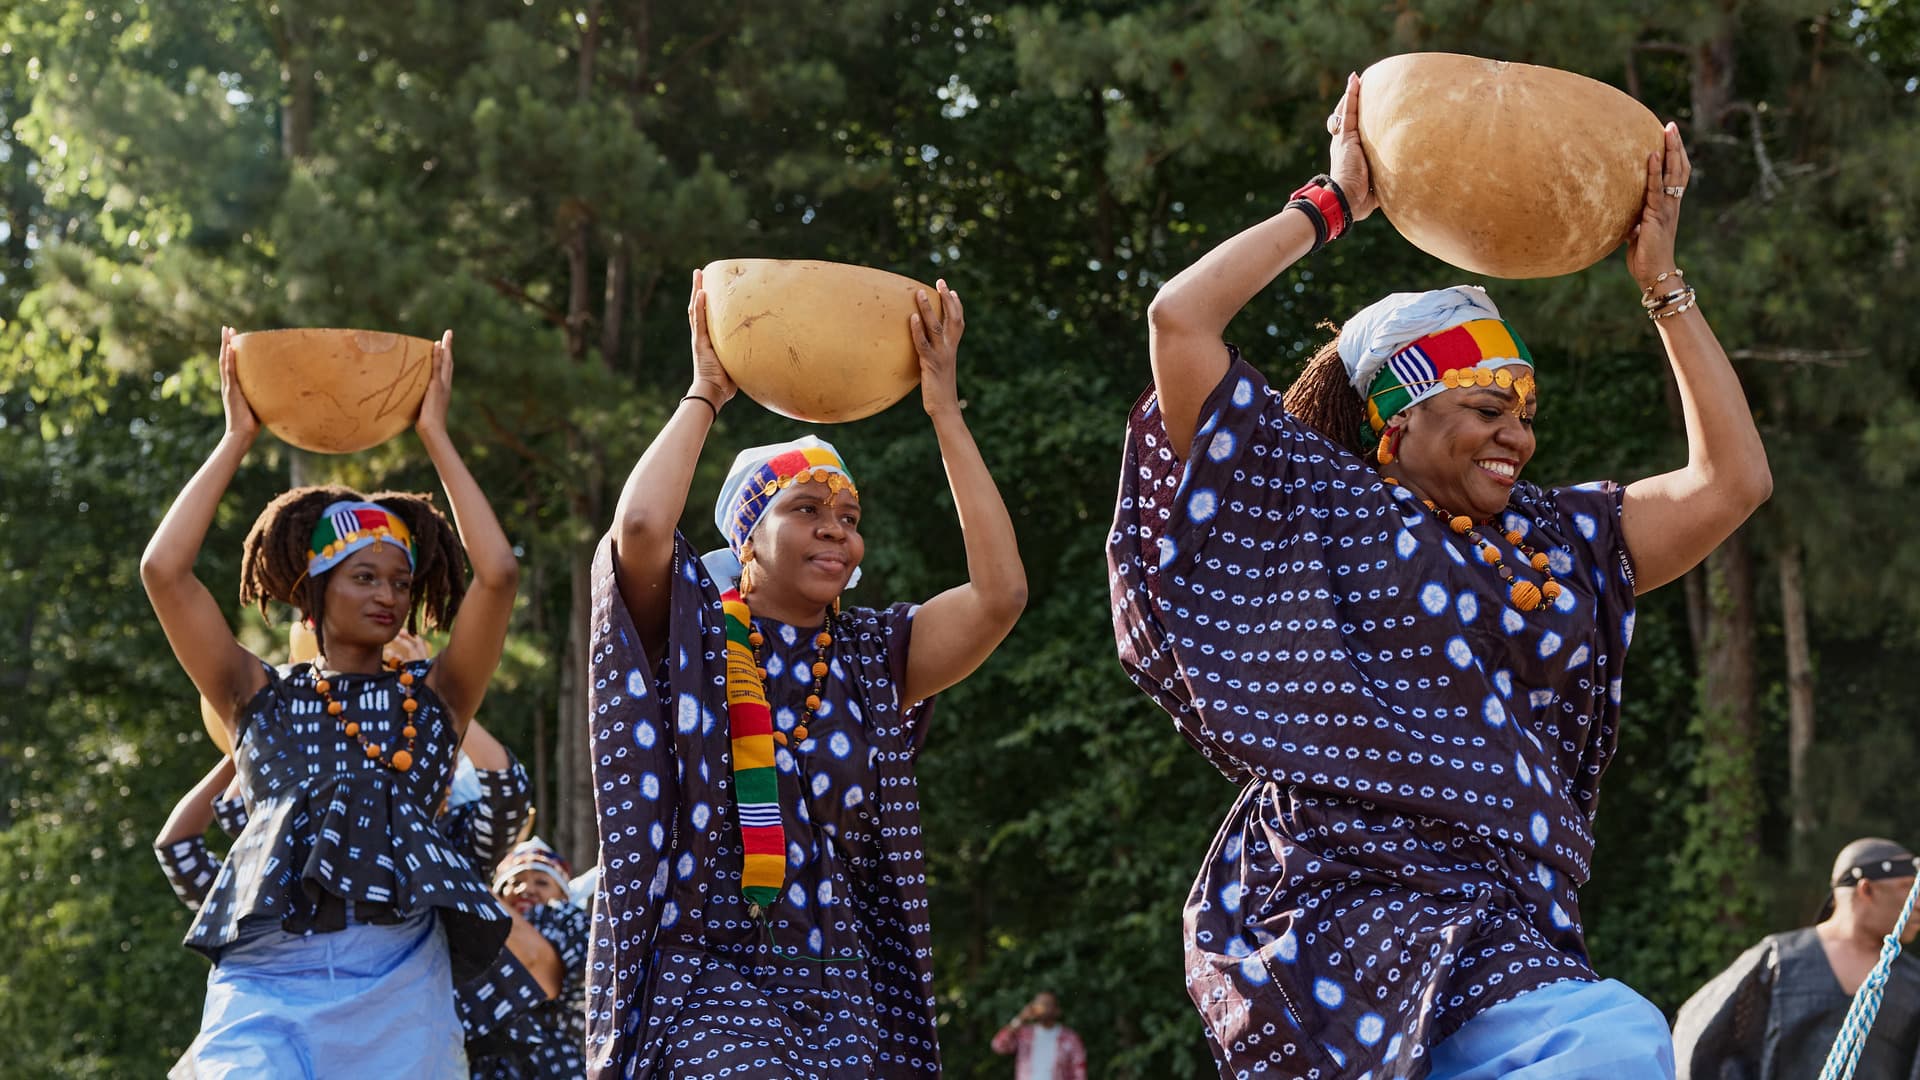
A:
(1730, 734)
(572, 824)
(613, 304)
(1793, 619)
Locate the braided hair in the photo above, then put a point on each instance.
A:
(273, 562)
(1324, 399)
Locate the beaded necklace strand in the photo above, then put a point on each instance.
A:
(402, 759)
(1525, 595)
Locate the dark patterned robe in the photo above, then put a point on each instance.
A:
(837, 982)
(1419, 763)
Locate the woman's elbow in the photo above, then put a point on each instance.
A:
(501, 572)
(1166, 314)
(158, 569)
(1007, 601)
(1756, 484)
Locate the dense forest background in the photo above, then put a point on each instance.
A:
(542, 177)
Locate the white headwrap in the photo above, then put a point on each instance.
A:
(1389, 325)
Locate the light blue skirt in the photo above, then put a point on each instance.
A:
(1566, 1031)
(367, 1001)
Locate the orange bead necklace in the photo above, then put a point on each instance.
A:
(402, 759)
(822, 642)
(1525, 595)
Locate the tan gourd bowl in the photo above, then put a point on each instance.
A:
(1508, 170)
(817, 341)
(334, 391)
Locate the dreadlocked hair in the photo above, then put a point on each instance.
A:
(1324, 399)
(273, 562)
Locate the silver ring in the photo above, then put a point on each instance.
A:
(1674, 191)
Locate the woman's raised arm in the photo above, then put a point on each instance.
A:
(956, 631)
(656, 491)
(479, 632)
(224, 672)
(1188, 317)
(1673, 520)
(194, 812)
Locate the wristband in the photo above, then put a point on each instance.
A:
(1330, 202)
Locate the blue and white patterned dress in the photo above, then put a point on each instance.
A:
(838, 981)
(1419, 762)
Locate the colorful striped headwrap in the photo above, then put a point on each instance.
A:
(758, 476)
(1410, 346)
(347, 526)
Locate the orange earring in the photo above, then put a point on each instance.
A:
(1390, 445)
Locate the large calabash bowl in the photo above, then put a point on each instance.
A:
(817, 341)
(334, 391)
(1508, 170)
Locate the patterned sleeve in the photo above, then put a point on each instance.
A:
(231, 814)
(495, 819)
(646, 722)
(1248, 454)
(565, 928)
(190, 869)
(896, 630)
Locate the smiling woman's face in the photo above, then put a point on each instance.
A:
(368, 596)
(1464, 448)
(807, 546)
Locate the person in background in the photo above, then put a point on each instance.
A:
(546, 1038)
(1775, 1012)
(1043, 1048)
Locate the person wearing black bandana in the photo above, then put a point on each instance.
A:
(1774, 1014)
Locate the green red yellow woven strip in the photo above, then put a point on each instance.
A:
(756, 780)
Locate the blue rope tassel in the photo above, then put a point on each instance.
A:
(1866, 1002)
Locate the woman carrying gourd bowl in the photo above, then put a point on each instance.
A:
(342, 916)
(1408, 656)
(762, 905)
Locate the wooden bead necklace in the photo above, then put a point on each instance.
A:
(822, 642)
(401, 759)
(1525, 595)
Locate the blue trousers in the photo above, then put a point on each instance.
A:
(1566, 1031)
(368, 1001)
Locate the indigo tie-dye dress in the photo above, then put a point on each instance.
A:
(682, 982)
(1419, 762)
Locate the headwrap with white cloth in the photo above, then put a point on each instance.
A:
(537, 855)
(1407, 347)
(759, 476)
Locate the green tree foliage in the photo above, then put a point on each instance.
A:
(543, 179)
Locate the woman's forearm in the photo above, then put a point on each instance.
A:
(993, 552)
(1724, 448)
(194, 812)
(175, 545)
(488, 550)
(1204, 298)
